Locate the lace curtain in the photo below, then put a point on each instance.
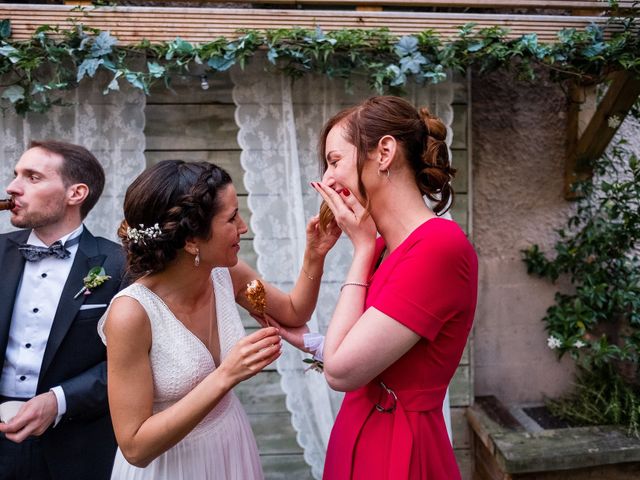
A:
(279, 122)
(111, 127)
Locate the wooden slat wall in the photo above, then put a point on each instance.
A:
(196, 125)
(193, 124)
(568, 5)
(461, 388)
(132, 24)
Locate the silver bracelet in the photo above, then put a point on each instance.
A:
(356, 284)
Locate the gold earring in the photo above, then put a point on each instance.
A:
(196, 260)
(387, 171)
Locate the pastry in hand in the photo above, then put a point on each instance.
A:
(257, 296)
(326, 217)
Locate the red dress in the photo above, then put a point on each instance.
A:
(429, 284)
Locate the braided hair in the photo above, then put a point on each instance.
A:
(182, 198)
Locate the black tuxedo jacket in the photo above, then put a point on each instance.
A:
(82, 445)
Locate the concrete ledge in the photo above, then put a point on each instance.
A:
(503, 448)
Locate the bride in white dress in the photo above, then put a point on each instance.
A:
(175, 343)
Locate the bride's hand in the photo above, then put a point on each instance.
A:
(251, 354)
(319, 242)
(293, 335)
(351, 217)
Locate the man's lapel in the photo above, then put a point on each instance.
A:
(11, 266)
(86, 258)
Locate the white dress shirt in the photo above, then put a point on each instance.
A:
(33, 312)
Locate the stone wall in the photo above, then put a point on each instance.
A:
(518, 135)
(518, 152)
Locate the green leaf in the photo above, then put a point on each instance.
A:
(103, 44)
(88, 67)
(375, 54)
(12, 53)
(396, 75)
(272, 54)
(5, 28)
(136, 80)
(155, 70)
(94, 271)
(14, 93)
(594, 49)
(412, 63)
(475, 46)
(113, 85)
(407, 45)
(436, 75)
(221, 63)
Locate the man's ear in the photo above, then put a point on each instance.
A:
(77, 193)
(387, 147)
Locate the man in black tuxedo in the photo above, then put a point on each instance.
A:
(50, 353)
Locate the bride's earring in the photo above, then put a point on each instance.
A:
(196, 260)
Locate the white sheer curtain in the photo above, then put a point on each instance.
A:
(111, 127)
(279, 124)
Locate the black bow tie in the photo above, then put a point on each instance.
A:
(33, 253)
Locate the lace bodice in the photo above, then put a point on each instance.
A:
(179, 359)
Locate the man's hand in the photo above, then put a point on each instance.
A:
(33, 418)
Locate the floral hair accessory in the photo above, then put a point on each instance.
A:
(138, 235)
(95, 277)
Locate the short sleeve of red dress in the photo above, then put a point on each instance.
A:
(429, 280)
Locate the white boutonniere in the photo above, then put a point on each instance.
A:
(96, 277)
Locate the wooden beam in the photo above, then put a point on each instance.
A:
(611, 112)
(156, 24)
(586, 145)
(568, 5)
(577, 118)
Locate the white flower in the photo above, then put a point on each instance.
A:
(137, 235)
(579, 344)
(614, 121)
(553, 343)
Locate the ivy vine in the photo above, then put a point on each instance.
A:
(34, 73)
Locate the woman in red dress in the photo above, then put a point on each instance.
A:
(407, 305)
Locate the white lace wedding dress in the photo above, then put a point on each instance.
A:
(222, 445)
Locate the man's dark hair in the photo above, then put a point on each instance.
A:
(79, 166)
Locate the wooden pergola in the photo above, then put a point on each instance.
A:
(590, 124)
(161, 23)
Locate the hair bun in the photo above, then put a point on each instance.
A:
(122, 230)
(435, 128)
(436, 173)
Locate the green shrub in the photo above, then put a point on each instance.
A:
(598, 322)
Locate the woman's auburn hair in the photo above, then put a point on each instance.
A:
(420, 135)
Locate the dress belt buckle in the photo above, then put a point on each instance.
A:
(393, 395)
